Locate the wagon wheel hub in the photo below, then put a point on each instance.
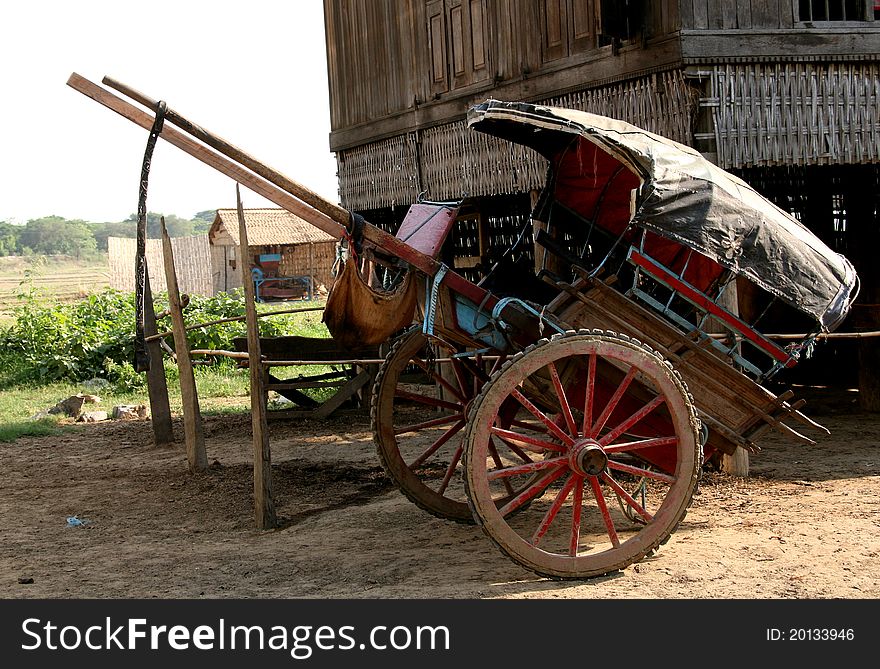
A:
(587, 457)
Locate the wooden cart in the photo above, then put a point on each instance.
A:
(573, 428)
(581, 445)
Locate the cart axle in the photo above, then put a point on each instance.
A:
(587, 458)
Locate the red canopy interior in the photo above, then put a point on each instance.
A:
(598, 187)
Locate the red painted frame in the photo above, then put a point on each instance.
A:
(703, 301)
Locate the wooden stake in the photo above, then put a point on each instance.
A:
(192, 417)
(738, 463)
(160, 409)
(264, 506)
(311, 271)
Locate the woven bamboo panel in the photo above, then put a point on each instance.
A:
(449, 161)
(457, 161)
(192, 262)
(797, 114)
(380, 174)
(317, 261)
(663, 103)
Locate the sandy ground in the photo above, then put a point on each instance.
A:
(806, 524)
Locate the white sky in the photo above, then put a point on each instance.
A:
(252, 72)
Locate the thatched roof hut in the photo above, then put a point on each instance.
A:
(282, 244)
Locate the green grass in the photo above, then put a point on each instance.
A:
(33, 428)
(222, 389)
(18, 404)
(222, 386)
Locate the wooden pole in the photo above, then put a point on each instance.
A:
(736, 464)
(311, 271)
(192, 417)
(157, 386)
(271, 189)
(264, 506)
(863, 229)
(234, 319)
(308, 196)
(208, 156)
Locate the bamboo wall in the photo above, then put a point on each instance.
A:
(313, 259)
(296, 260)
(379, 174)
(192, 262)
(451, 161)
(663, 103)
(797, 114)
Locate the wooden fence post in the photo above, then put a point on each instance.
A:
(736, 464)
(160, 409)
(192, 417)
(264, 505)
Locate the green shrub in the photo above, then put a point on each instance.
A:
(94, 338)
(51, 342)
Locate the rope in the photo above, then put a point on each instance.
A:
(502, 303)
(431, 301)
(356, 232)
(141, 354)
(818, 337)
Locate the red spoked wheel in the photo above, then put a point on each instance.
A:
(611, 435)
(421, 400)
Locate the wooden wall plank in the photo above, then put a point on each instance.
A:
(502, 21)
(715, 13)
(554, 30)
(765, 13)
(728, 15)
(814, 44)
(436, 31)
(672, 16)
(744, 14)
(701, 14)
(686, 14)
(529, 35)
(655, 19)
(583, 27)
(381, 54)
(334, 68)
(789, 12)
(479, 39)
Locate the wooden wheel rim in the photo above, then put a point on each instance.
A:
(388, 443)
(678, 496)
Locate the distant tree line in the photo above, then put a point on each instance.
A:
(54, 235)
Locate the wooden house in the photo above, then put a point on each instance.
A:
(784, 93)
(286, 251)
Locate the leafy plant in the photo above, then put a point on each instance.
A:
(94, 338)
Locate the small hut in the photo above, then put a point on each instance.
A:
(290, 258)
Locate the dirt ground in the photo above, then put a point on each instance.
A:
(806, 524)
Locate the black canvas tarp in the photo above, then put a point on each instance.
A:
(685, 197)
